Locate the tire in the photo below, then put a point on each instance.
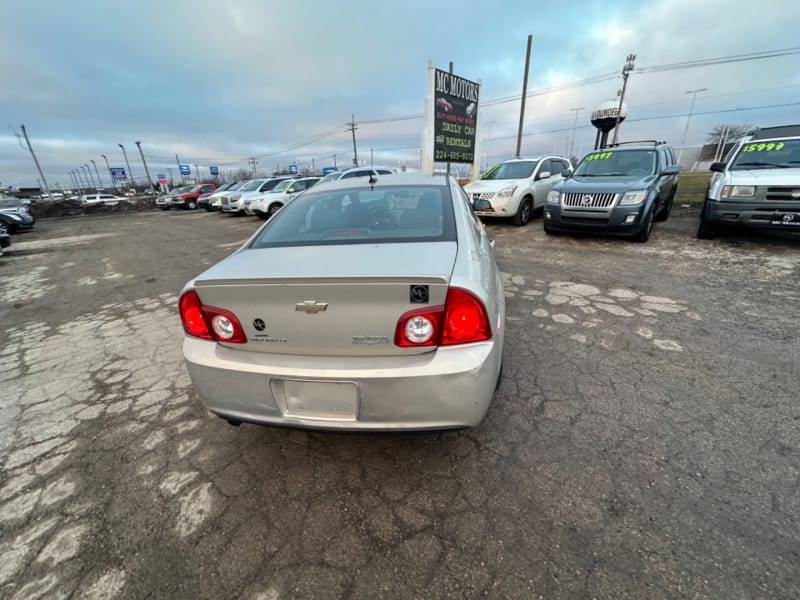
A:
(647, 228)
(273, 209)
(524, 213)
(191, 205)
(706, 230)
(663, 214)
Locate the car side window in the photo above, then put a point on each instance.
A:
(545, 166)
(384, 172)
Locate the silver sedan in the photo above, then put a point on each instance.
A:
(368, 304)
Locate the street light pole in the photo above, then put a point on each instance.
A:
(689, 118)
(113, 183)
(72, 179)
(574, 126)
(91, 177)
(99, 183)
(127, 164)
(86, 177)
(144, 162)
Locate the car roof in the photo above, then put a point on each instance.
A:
(365, 168)
(389, 179)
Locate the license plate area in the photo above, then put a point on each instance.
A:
(316, 400)
(788, 219)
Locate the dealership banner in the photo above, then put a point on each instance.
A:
(455, 118)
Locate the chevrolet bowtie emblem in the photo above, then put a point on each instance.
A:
(311, 307)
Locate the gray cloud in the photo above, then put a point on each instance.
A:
(220, 82)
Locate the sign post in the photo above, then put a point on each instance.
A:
(451, 117)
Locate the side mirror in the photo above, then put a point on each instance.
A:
(543, 175)
(719, 167)
(566, 173)
(481, 205)
(671, 170)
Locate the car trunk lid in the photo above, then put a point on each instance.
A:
(328, 300)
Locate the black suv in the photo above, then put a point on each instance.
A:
(619, 190)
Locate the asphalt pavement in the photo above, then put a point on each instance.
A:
(644, 441)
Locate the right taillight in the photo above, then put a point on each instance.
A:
(209, 322)
(465, 319)
(461, 320)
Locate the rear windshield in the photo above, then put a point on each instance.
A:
(362, 215)
(768, 154)
(617, 163)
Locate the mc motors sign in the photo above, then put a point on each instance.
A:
(455, 118)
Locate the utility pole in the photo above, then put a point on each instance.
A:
(144, 162)
(313, 166)
(99, 183)
(689, 118)
(171, 179)
(524, 94)
(335, 166)
(371, 162)
(352, 128)
(574, 125)
(625, 72)
(35, 160)
(253, 161)
(72, 179)
(130, 172)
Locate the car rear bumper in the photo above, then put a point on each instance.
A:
(450, 387)
(757, 215)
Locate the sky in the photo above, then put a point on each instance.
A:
(219, 83)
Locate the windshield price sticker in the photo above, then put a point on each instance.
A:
(763, 147)
(599, 156)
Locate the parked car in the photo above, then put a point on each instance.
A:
(187, 197)
(619, 190)
(269, 203)
(759, 187)
(369, 305)
(355, 172)
(5, 239)
(239, 201)
(102, 199)
(15, 215)
(216, 202)
(165, 202)
(204, 200)
(515, 188)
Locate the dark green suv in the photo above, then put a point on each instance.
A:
(619, 190)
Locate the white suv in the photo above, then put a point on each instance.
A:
(515, 188)
(758, 187)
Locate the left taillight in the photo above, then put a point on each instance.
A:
(209, 322)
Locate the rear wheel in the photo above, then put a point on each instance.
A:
(524, 213)
(647, 228)
(191, 205)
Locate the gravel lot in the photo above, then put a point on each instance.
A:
(644, 442)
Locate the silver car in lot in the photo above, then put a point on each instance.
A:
(368, 304)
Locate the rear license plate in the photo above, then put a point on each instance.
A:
(319, 400)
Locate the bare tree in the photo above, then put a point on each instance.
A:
(242, 175)
(728, 131)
